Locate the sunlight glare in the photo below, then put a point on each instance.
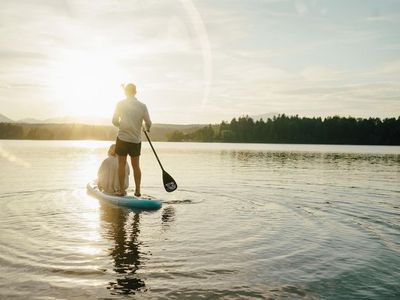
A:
(87, 84)
(88, 250)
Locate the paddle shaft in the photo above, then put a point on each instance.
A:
(154, 151)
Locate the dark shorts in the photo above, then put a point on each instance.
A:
(123, 148)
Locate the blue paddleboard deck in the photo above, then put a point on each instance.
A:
(145, 202)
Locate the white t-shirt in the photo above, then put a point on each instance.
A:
(107, 176)
(128, 117)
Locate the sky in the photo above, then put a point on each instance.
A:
(200, 61)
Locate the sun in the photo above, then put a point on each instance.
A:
(86, 84)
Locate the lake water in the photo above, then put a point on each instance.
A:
(248, 221)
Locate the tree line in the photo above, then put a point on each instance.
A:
(279, 129)
(301, 130)
(56, 132)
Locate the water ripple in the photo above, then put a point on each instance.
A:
(263, 225)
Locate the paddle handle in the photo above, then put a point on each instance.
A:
(154, 151)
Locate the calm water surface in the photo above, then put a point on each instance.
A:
(248, 221)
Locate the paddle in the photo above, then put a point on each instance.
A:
(170, 184)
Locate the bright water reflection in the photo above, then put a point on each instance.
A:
(124, 230)
(248, 221)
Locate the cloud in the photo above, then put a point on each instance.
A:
(392, 68)
(301, 8)
(320, 73)
(206, 59)
(389, 18)
(314, 90)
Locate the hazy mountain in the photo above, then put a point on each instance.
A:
(68, 120)
(59, 120)
(53, 131)
(4, 119)
(29, 121)
(100, 128)
(264, 116)
(107, 121)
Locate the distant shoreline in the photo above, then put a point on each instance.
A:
(283, 129)
(65, 132)
(280, 129)
(188, 142)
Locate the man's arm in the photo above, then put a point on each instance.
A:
(115, 119)
(146, 118)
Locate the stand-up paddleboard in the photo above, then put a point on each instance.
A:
(145, 202)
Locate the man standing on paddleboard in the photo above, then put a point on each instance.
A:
(128, 117)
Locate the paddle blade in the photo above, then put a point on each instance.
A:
(169, 183)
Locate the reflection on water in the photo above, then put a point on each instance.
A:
(122, 227)
(321, 157)
(168, 215)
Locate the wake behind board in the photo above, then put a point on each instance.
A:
(147, 203)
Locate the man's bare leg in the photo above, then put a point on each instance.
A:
(137, 174)
(121, 173)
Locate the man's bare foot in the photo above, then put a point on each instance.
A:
(137, 194)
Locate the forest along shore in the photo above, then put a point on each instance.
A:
(297, 130)
(279, 129)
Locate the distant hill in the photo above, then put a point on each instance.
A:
(104, 120)
(161, 132)
(29, 121)
(264, 116)
(60, 120)
(4, 119)
(68, 120)
(66, 128)
(8, 130)
(79, 120)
